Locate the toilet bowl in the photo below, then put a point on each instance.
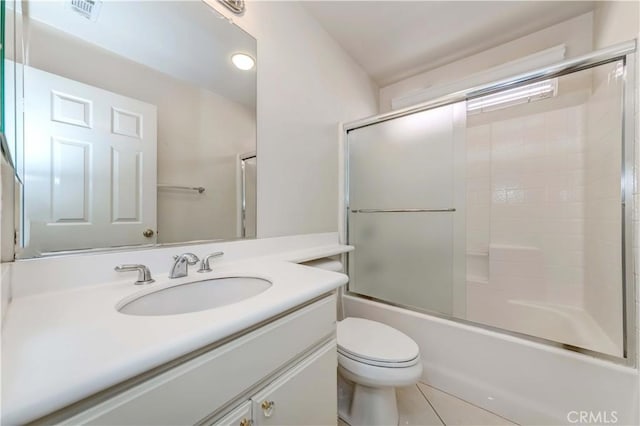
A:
(373, 359)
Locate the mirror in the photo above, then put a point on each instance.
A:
(139, 129)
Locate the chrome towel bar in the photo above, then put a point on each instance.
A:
(402, 210)
(200, 189)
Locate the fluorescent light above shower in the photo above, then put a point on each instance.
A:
(520, 95)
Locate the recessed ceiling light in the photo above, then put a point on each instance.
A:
(243, 61)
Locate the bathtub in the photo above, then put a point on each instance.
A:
(560, 323)
(525, 381)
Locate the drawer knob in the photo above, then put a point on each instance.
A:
(246, 422)
(267, 408)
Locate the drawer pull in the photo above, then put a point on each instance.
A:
(246, 422)
(267, 408)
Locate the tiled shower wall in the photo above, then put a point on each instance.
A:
(603, 156)
(543, 208)
(525, 201)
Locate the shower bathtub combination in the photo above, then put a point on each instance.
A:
(503, 213)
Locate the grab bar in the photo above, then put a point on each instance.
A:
(200, 189)
(402, 210)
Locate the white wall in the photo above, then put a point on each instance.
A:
(575, 33)
(6, 233)
(615, 22)
(306, 85)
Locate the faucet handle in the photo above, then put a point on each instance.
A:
(191, 258)
(144, 274)
(204, 265)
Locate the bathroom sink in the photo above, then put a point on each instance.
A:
(195, 296)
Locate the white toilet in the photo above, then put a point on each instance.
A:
(373, 359)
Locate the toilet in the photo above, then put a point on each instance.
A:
(373, 359)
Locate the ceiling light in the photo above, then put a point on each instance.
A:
(243, 61)
(519, 95)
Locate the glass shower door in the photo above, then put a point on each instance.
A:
(406, 210)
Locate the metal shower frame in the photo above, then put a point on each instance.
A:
(625, 52)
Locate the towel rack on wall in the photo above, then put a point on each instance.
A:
(402, 210)
(200, 189)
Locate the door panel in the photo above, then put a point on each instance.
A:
(406, 210)
(241, 416)
(70, 185)
(306, 395)
(126, 185)
(90, 165)
(69, 109)
(126, 123)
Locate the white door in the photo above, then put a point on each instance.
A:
(90, 166)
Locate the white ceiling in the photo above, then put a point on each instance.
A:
(393, 40)
(185, 39)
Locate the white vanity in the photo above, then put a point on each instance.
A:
(283, 372)
(76, 356)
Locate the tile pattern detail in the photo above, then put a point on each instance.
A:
(423, 405)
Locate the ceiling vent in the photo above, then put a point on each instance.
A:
(89, 9)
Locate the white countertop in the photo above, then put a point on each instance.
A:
(60, 347)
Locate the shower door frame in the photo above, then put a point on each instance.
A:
(625, 52)
(243, 190)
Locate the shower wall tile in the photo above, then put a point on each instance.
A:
(534, 164)
(603, 156)
(543, 202)
(478, 187)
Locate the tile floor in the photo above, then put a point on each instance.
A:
(422, 405)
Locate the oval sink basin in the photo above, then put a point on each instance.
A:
(196, 296)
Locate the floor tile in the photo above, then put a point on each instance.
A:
(456, 412)
(341, 423)
(414, 409)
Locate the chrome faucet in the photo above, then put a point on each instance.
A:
(144, 274)
(204, 265)
(180, 267)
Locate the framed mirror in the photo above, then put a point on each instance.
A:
(138, 126)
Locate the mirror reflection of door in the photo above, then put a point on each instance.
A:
(90, 175)
(176, 91)
(247, 199)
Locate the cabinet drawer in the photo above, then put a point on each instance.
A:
(193, 390)
(241, 416)
(305, 395)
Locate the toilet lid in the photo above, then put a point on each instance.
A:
(375, 341)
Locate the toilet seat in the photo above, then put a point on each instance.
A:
(376, 344)
(400, 364)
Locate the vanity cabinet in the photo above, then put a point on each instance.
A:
(297, 397)
(240, 416)
(290, 361)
